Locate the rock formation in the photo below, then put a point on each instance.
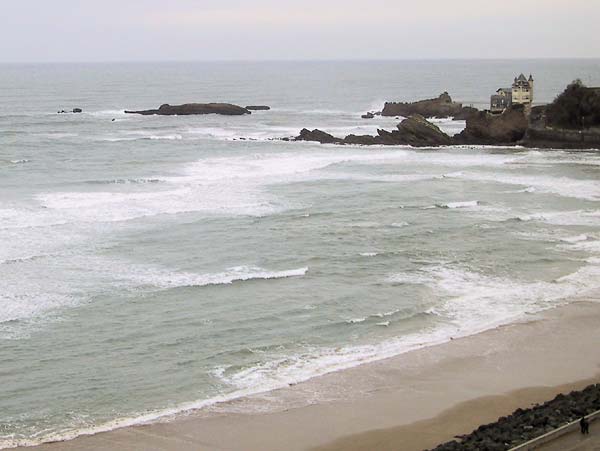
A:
(418, 132)
(443, 106)
(317, 136)
(195, 108)
(368, 115)
(258, 108)
(488, 129)
(414, 131)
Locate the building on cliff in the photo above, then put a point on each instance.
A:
(521, 93)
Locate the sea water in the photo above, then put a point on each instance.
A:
(152, 265)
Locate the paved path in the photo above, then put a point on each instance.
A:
(577, 442)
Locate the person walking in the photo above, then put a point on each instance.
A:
(584, 426)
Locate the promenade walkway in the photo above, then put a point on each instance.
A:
(574, 441)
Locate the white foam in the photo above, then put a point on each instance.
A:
(465, 204)
(399, 225)
(575, 239)
(356, 320)
(478, 302)
(231, 185)
(165, 279)
(562, 186)
(30, 304)
(368, 254)
(566, 218)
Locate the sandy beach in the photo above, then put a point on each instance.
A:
(409, 402)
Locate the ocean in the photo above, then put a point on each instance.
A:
(153, 265)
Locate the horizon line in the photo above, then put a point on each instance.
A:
(298, 60)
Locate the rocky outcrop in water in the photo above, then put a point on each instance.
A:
(258, 108)
(414, 131)
(368, 115)
(484, 128)
(526, 424)
(74, 110)
(227, 109)
(317, 135)
(442, 106)
(418, 132)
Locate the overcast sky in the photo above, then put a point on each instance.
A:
(156, 30)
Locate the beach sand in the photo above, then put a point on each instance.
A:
(409, 402)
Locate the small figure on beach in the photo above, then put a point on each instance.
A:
(584, 425)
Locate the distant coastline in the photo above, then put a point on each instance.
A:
(559, 125)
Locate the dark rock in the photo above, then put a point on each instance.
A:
(318, 136)
(195, 108)
(365, 140)
(418, 132)
(258, 108)
(368, 116)
(77, 110)
(503, 129)
(466, 113)
(414, 131)
(442, 106)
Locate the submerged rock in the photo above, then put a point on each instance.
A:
(227, 109)
(258, 108)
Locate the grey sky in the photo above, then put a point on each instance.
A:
(139, 30)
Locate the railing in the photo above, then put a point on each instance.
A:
(556, 433)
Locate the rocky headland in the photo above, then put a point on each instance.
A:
(572, 121)
(526, 424)
(187, 109)
(505, 129)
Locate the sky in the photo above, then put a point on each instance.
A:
(189, 30)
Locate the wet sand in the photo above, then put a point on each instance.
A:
(409, 402)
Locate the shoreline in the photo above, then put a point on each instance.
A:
(458, 420)
(412, 395)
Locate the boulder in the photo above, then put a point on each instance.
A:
(77, 110)
(368, 115)
(195, 108)
(442, 106)
(318, 136)
(258, 108)
(502, 129)
(418, 132)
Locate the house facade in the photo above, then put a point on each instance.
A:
(521, 93)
